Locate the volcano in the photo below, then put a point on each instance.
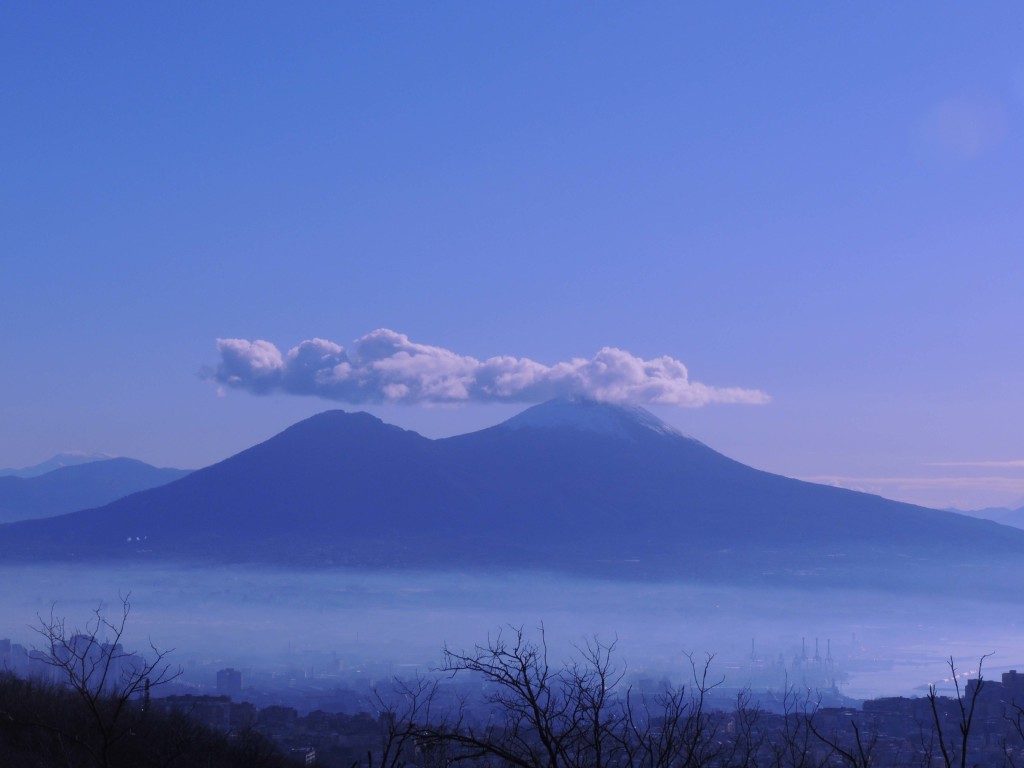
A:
(570, 485)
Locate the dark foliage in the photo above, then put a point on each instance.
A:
(43, 725)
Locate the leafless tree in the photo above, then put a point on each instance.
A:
(543, 715)
(955, 752)
(581, 714)
(1015, 718)
(793, 744)
(855, 753)
(747, 737)
(111, 683)
(675, 727)
(403, 712)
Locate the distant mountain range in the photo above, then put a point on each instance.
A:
(569, 485)
(70, 487)
(1003, 515)
(55, 462)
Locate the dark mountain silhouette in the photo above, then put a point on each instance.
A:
(574, 486)
(78, 486)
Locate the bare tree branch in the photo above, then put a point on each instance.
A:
(92, 662)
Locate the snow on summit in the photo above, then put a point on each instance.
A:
(590, 416)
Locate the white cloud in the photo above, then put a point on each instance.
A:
(385, 366)
(256, 365)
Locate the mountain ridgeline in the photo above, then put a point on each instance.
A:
(569, 485)
(72, 486)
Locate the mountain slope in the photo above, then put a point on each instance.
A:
(334, 483)
(568, 485)
(78, 486)
(638, 491)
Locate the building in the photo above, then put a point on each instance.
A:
(229, 682)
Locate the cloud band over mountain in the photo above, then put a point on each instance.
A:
(385, 366)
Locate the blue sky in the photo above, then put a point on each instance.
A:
(821, 202)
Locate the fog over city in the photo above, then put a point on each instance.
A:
(263, 618)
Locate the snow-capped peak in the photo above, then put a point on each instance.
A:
(590, 416)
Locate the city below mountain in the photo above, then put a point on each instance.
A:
(570, 485)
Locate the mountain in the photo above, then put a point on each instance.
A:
(55, 462)
(78, 486)
(569, 485)
(1002, 515)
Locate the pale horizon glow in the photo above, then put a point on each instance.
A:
(1012, 463)
(949, 492)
